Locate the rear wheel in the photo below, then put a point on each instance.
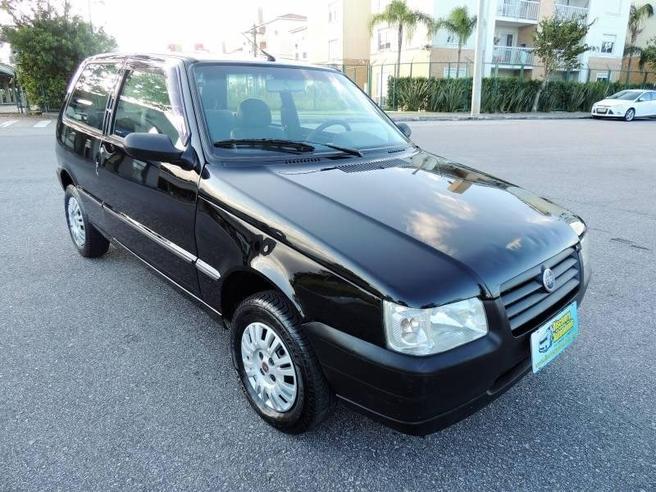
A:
(279, 372)
(86, 238)
(629, 115)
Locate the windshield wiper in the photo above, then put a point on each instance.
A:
(265, 143)
(346, 150)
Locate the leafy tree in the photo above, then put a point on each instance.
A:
(48, 44)
(397, 13)
(637, 16)
(460, 25)
(559, 43)
(648, 55)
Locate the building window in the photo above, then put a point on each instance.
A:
(602, 76)
(332, 50)
(332, 12)
(384, 39)
(608, 43)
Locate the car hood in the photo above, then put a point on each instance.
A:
(613, 102)
(419, 229)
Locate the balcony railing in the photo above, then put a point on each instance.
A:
(571, 12)
(518, 9)
(513, 55)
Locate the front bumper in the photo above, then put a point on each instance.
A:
(607, 113)
(420, 395)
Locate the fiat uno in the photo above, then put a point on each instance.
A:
(346, 262)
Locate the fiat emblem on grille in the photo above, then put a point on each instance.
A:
(548, 279)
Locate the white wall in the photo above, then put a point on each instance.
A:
(610, 19)
(5, 53)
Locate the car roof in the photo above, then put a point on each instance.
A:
(205, 57)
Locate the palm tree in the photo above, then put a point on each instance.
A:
(397, 13)
(460, 25)
(648, 55)
(637, 16)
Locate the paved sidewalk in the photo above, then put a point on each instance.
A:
(426, 116)
(408, 116)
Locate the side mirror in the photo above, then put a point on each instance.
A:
(152, 147)
(405, 129)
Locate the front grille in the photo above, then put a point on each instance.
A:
(526, 300)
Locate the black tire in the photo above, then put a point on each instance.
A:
(314, 398)
(630, 115)
(94, 244)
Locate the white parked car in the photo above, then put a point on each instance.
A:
(628, 104)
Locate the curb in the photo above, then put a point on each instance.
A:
(413, 118)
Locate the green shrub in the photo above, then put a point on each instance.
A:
(498, 94)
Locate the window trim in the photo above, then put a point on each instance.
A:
(171, 72)
(80, 125)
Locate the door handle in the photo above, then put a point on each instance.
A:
(102, 155)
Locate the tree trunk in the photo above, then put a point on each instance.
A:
(458, 64)
(536, 101)
(398, 51)
(628, 69)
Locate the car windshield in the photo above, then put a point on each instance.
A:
(625, 95)
(245, 105)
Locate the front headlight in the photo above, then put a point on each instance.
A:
(585, 257)
(430, 331)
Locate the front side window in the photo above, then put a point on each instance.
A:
(144, 106)
(313, 106)
(89, 98)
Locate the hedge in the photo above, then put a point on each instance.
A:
(499, 95)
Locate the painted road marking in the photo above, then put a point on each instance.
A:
(42, 124)
(7, 123)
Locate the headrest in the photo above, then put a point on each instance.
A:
(253, 113)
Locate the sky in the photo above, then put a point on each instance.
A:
(151, 25)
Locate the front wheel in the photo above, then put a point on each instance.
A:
(86, 238)
(630, 115)
(279, 372)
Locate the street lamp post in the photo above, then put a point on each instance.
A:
(478, 60)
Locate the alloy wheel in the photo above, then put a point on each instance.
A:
(630, 115)
(269, 367)
(76, 222)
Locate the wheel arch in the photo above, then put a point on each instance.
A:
(65, 178)
(241, 283)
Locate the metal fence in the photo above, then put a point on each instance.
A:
(508, 62)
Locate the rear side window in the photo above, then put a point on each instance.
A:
(89, 99)
(145, 106)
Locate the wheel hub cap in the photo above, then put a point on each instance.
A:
(76, 222)
(269, 368)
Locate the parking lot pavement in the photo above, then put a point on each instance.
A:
(17, 124)
(110, 379)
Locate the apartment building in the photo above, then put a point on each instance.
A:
(281, 36)
(509, 27)
(516, 22)
(648, 34)
(338, 31)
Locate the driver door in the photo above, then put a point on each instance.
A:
(150, 207)
(643, 105)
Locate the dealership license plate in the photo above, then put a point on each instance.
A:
(601, 111)
(549, 341)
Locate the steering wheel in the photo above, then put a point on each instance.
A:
(326, 124)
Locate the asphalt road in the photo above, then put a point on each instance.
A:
(110, 379)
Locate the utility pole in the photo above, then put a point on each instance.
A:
(254, 32)
(478, 59)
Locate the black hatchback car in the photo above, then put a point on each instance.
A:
(345, 261)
